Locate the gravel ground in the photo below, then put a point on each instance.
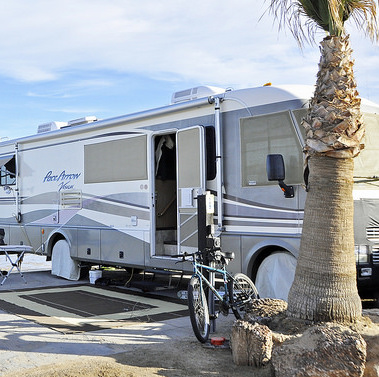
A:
(166, 348)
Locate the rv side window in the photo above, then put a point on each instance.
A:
(299, 114)
(116, 160)
(366, 163)
(269, 134)
(8, 170)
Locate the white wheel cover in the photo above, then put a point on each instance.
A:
(61, 262)
(275, 275)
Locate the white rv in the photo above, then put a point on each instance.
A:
(122, 191)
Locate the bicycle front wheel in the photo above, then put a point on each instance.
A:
(198, 309)
(241, 291)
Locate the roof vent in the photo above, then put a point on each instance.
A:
(195, 93)
(50, 126)
(78, 122)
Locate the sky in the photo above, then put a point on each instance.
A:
(63, 60)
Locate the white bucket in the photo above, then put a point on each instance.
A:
(94, 275)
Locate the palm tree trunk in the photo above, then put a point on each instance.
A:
(325, 287)
(334, 123)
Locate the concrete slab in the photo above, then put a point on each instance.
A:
(26, 344)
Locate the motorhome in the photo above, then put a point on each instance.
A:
(123, 191)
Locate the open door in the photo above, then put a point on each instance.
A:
(190, 154)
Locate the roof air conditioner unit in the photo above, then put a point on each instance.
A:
(50, 126)
(195, 93)
(85, 120)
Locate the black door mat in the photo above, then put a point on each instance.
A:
(83, 308)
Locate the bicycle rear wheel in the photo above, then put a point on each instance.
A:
(241, 291)
(198, 309)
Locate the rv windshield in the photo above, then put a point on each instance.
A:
(366, 168)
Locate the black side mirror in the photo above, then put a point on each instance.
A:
(276, 172)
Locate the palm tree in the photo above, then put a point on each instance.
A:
(324, 288)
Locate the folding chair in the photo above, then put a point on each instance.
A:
(14, 250)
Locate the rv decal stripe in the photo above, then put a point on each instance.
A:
(264, 222)
(118, 210)
(244, 202)
(236, 209)
(6, 201)
(264, 230)
(108, 200)
(50, 198)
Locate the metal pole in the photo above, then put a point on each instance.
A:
(17, 189)
(211, 299)
(219, 176)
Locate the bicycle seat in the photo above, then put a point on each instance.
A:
(223, 256)
(228, 254)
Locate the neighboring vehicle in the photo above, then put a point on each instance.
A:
(122, 191)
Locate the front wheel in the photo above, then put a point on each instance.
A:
(198, 309)
(275, 275)
(62, 264)
(241, 291)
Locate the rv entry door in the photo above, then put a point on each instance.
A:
(190, 154)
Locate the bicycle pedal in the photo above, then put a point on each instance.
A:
(213, 316)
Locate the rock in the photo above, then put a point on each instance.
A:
(319, 343)
(264, 310)
(272, 313)
(327, 350)
(370, 333)
(251, 344)
(372, 359)
(372, 368)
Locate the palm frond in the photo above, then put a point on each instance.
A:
(305, 17)
(289, 13)
(364, 14)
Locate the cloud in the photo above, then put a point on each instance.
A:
(48, 95)
(71, 88)
(76, 110)
(200, 42)
(86, 56)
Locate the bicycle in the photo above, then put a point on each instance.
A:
(238, 290)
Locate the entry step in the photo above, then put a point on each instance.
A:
(170, 248)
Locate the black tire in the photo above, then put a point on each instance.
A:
(241, 291)
(198, 309)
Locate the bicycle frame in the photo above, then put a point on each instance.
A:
(198, 270)
(238, 292)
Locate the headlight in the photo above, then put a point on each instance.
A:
(362, 254)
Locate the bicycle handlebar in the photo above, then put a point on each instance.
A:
(184, 256)
(212, 253)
